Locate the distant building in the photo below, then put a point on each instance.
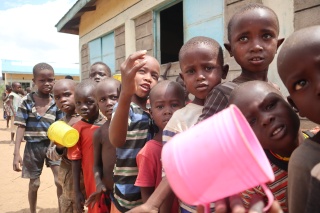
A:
(21, 71)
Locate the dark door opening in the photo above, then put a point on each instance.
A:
(171, 33)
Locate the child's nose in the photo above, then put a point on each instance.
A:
(266, 119)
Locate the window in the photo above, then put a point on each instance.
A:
(103, 49)
(182, 21)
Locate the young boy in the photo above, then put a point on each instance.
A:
(34, 116)
(253, 42)
(106, 94)
(99, 71)
(298, 66)
(63, 93)
(81, 154)
(130, 126)
(276, 126)
(202, 68)
(13, 102)
(165, 98)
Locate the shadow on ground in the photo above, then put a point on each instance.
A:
(5, 142)
(39, 210)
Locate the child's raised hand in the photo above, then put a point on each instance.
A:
(129, 69)
(17, 162)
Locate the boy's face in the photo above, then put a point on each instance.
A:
(63, 94)
(147, 77)
(300, 73)
(107, 96)
(98, 72)
(17, 88)
(86, 105)
(164, 103)
(254, 39)
(44, 80)
(272, 119)
(200, 70)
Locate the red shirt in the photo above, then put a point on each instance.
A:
(83, 151)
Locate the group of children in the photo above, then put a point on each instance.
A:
(116, 164)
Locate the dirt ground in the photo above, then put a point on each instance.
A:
(14, 189)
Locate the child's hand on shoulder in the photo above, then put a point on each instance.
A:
(129, 69)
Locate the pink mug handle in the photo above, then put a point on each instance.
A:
(269, 196)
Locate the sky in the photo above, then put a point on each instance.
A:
(28, 32)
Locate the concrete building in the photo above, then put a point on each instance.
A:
(21, 71)
(110, 30)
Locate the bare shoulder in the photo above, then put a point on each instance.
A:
(102, 134)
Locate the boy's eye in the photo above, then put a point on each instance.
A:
(300, 84)
(252, 121)
(209, 68)
(159, 107)
(267, 36)
(270, 106)
(114, 98)
(141, 71)
(102, 100)
(243, 38)
(190, 71)
(155, 77)
(56, 98)
(78, 103)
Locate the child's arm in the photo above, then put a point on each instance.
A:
(79, 199)
(10, 102)
(119, 123)
(17, 157)
(97, 171)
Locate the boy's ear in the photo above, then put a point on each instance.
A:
(280, 41)
(228, 47)
(33, 80)
(225, 70)
(150, 111)
(293, 105)
(181, 76)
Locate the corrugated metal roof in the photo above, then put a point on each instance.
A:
(25, 67)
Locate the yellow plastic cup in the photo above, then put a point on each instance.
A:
(117, 77)
(60, 132)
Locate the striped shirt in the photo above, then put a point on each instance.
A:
(126, 194)
(36, 126)
(278, 187)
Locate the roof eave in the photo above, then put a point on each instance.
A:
(69, 23)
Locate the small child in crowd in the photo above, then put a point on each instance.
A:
(14, 102)
(298, 66)
(63, 93)
(130, 127)
(252, 45)
(81, 154)
(165, 98)
(106, 94)
(276, 126)
(7, 112)
(99, 71)
(34, 116)
(202, 68)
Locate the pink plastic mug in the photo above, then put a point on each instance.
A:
(216, 158)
